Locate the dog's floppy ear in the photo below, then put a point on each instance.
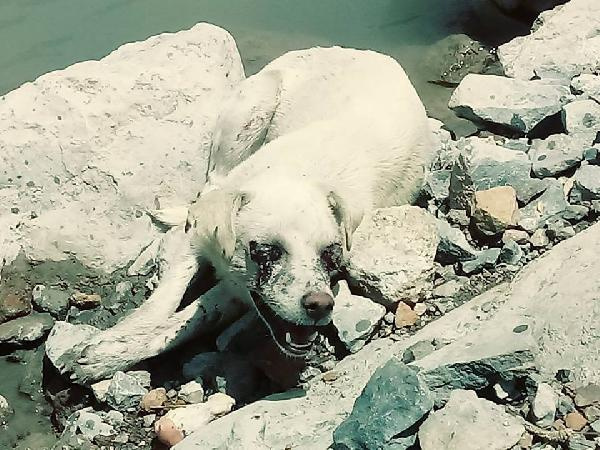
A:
(211, 218)
(347, 220)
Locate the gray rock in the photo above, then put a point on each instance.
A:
(5, 409)
(581, 443)
(484, 259)
(582, 116)
(91, 425)
(392, 255)
(563, 44)
(539, 239)
(417, 351)
(518, 236)
(115, 417)
(461, 190)
(50, 300)
(458, 217)
(557, 153)
(586, 184)
(143, 377)
(124, 392)
(392, 402)
(550, 203)
(470, 423)
(62, 339)
(588, 85)
(510, 253)
(25, 330)
(559, 229)
(588, 395)
(492, 165)
(544, 405)
(437, 184)
(591, 155)
(449, 288)
(516, 104)
(453, 245)
(192, 392)
(355, 318)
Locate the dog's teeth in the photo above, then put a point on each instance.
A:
(312, 337)
(288, 338)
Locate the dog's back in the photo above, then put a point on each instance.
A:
(349, 118)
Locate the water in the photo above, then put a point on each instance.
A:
(37, 36)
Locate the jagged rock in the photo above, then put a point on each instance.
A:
(492, 165)
(461, 190)
(591, 155)
(458, 217)
(510, 253)
(470, 423)
(582, 116)
(154, 399)
(100, 389)
(124, 392)
(94, 123)
(588, 395)
(355, 318)
(25, 330)
(13, 305)
(90, 424)
(550, 203)
(437, 184)
(516, 104)
(588, 85)
(484, 259)
(61, 340)
(453, 245)
(392, 402)
(544, 405)
(557, 153)
(559, 229)
(564, 43)
(192, 392)
(495, 210)
(418, 351)
(392, 255)
(518, 236)
(575, 421)
(586, 184)
(5, 409)
(50, 300)
(405, 316)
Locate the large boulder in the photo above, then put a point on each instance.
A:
(85, 151)
(564, 42)
(516, 104)
(392, 255)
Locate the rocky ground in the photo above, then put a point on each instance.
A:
(468, 321)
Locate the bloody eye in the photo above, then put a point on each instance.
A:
(264, 254)
(331, 257)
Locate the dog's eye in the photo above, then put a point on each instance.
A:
(263, 254)
(331, 257)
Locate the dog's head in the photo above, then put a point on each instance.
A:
(284, 241)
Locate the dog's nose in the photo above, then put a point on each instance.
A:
(318, 305)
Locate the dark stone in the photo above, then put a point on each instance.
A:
(13, 305)
(387, 412)
(511, 253)
(461, 188)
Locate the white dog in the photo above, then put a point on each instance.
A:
(306, 148)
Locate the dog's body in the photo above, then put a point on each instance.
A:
(309, 145)
(301, 153)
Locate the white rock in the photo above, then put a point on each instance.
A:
(392, 254)
(588, 85)
(557, 153)
(470, 423)
(582, 116)
(91, 425)
(124, 392)
(194, 417)
(64, 337)
(586, 184)
(355, 317)
(5, 408)
(100, 389)
(516, 104)
(90, 148)
(192, 392)
(544, 405)
(564, 43)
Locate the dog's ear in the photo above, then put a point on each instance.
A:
(211, 218)
(348, 220)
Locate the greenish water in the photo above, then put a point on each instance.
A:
(37, 36)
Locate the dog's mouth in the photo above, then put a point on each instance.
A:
(293, 339)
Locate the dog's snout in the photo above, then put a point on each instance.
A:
(318, 305)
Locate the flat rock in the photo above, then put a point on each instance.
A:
(557, 153)
(544, 405)
(437, 184)
(50, 300)
(586, 184)
(116, 135)
(516, 104)
(355, 317)
(470, 423)
(394, 399)
(588, 85)
(25, 330)
(550, 203)
(392, 255)
(124, 392)
(588, 395)
(582, 116)
(484, 259)
(564, 43)
(13, 305)
(495, 210)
